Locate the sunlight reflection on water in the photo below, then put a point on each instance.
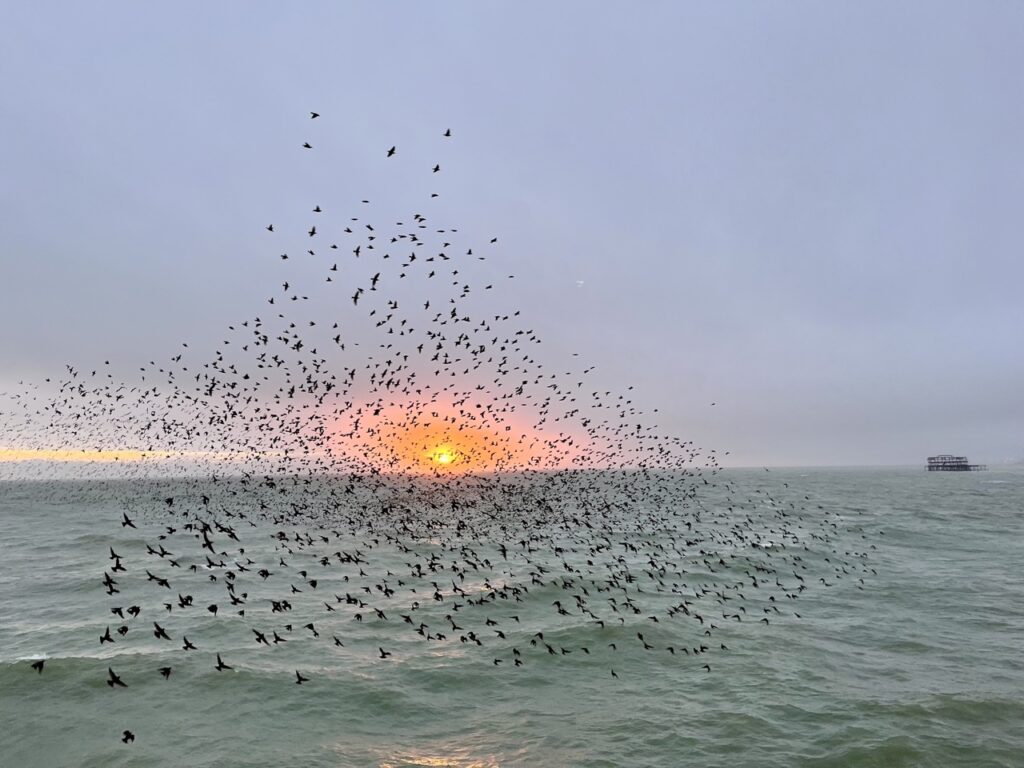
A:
(452, 760)
(411, 761)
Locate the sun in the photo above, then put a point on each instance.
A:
(443, 455)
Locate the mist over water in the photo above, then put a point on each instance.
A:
(917, 665)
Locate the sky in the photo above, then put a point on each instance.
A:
(805, 213)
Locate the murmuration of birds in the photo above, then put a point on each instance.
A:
(386, 397)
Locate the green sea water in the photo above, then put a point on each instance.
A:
(921, 664)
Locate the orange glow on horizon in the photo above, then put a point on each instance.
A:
(446, 439)
(65, 454)
(124, 455)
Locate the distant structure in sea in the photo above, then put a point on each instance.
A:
(947, 463)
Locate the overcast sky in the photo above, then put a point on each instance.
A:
(807, 213)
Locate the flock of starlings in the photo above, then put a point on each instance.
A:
(393, 404)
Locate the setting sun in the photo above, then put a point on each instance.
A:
(443, 454)
(444, 439)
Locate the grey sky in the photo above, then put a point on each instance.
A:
(807, 213)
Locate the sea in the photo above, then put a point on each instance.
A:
(916, 661)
